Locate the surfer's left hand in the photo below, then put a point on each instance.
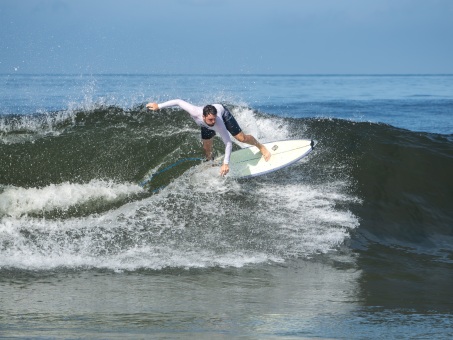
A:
(224, 169)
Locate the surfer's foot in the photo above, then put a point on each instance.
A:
(265, 152)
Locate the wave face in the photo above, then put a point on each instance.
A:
(69, 193)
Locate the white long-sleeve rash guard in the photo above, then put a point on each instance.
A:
(196, 112)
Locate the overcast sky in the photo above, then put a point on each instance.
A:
(226, 36)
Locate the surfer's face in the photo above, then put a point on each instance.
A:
(209, 120)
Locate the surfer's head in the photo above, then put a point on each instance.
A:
(209, 115)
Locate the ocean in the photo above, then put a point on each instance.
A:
(353, 242)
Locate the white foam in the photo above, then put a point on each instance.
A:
(264, 129)
(306, 216)
(16, 201)
(189, 224)
(33, 127)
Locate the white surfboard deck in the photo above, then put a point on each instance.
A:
(249, 162)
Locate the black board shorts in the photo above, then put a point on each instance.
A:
(230, 123)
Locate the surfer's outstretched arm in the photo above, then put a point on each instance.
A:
(193, 110)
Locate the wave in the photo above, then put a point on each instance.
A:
(62, 198)
(69, 195)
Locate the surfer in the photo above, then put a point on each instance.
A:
(215, 118)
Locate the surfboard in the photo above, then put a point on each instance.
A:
(248, 162)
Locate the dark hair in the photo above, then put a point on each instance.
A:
(209, 110)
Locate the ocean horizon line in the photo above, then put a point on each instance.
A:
(238, 74)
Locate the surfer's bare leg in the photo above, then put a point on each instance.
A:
(207, 147)
(249, 139)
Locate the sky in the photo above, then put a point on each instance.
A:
(226, 36)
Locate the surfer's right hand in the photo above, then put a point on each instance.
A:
(152, 106)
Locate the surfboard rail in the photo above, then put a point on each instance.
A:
(248, 162)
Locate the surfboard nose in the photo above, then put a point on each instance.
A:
(313, 143)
